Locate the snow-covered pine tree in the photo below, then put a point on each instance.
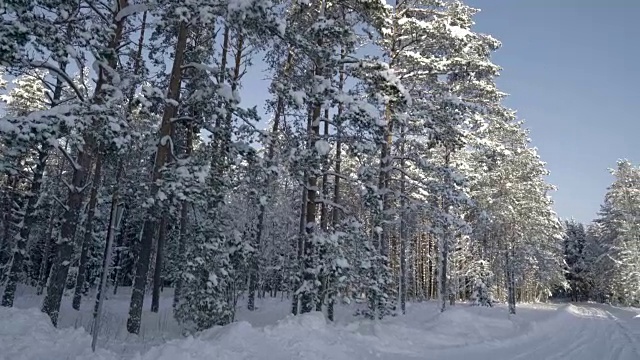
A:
(574, 254)
(619, 223)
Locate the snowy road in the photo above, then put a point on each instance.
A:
(537, 332)
(578, 332)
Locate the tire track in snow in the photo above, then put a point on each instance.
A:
(626, 332)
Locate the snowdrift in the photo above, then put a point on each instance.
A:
(462, 332)
(27, 334)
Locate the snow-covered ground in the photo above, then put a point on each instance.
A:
(542, 331)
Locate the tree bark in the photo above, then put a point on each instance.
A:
(255, 265)
(51, 304)
(88, 233)
(403, 228)
(335, 211)
(43, 274)
(162, 156)
(184, 223)
(295, 299)
(309, 277)
(22, 237)
(157, 273)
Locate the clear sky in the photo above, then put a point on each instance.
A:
(572, 69)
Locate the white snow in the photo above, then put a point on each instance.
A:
(322, 147)
(130, 10)
(543, 331)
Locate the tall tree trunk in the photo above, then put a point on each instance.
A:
(118, 251)
(323, 275)
(444, 258)
(60, 270)
(106, 255)
(295, 299)
(43, 273)
(8, 222)
(510, 279)
(309, 278)
(184, 224)
(137, 64)
(444, 244)
(335, 211)
(255, 265)
(24, 228)
(65, 246)
(157, 273)
(163, 153)
(88, 232)
(403, 227)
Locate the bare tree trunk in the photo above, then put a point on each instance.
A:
(8, 222)
(88, 233)
(510, 279)
(43, 274)
(335, 213)
(295, 299)
(53, 222)
(403, 228)
(60, 269)
(323, 275)
(184, 224)
(137, 63)
(51, 304)
(157, 273)
(163, 154)
(22, 237)
(254, 269)
(308, 297)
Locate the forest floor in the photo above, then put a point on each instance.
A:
(583, 331)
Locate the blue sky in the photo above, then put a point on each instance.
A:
(572, 69)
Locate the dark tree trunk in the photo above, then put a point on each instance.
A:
(157, 274)
(43, 274)
(64, 252)
(295, 298)
(184, 223)
(88, 234)
(162, 156)
(8, 221)
(24, 226)
(60, 270)
(309, 278)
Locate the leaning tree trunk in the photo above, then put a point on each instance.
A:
(88, 233)
(137, 64)
(162, 156)
(60, 270)
(24, 228)
(43, 273)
